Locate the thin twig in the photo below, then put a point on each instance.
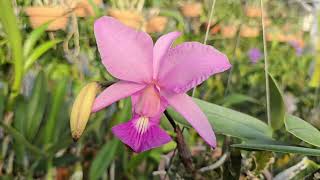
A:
(265, 63)
(184, 151)
(170, 119)
(174, 125)
(209, 23)
(216, 164)
(206, 36)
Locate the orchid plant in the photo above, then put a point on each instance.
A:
(155, 76)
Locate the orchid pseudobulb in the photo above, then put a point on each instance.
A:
(155, 76)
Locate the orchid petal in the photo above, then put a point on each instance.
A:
(126, 53)
(189, 64)
(141, 134)
(115, 92)
(161, 48)
(184, 104)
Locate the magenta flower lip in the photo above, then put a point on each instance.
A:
(155, 76)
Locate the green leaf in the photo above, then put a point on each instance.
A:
(277, 106)
(56, 104)
(10, 25)
(39, 51)
(279, 148)
(21, 139)
(229, 122)
(20, 114)
(103, 159)
(36, 106)
(32, 38)
(19, 125)
(302, 130)
(236, 98)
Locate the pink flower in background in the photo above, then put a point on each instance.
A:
(254, 55)
(297, 47)
(155, 76)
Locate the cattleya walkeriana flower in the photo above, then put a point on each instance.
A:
(155, 76)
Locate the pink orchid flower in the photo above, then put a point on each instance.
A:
(155, 77)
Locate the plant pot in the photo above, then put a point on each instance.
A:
(249, 32)
(191, 9)
(156, 24)
(84, 8)
(253, 11)
(130, 18)
(39, 15)
(228, 31)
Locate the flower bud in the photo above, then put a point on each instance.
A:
(81, 109)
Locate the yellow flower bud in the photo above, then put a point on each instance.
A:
(81, 109)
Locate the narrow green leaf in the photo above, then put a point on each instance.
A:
(277, 106)
(229, 122)
(62, 125)
(21, 139)
(279, 148)
(10, 25)
(302, 130)
(103, 159)
(19, 114)
(39, 51)
(32, 38)
(36, 106)
(56, 104)
(19, 125)
(236, 98)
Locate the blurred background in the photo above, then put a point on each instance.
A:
(48, 53)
